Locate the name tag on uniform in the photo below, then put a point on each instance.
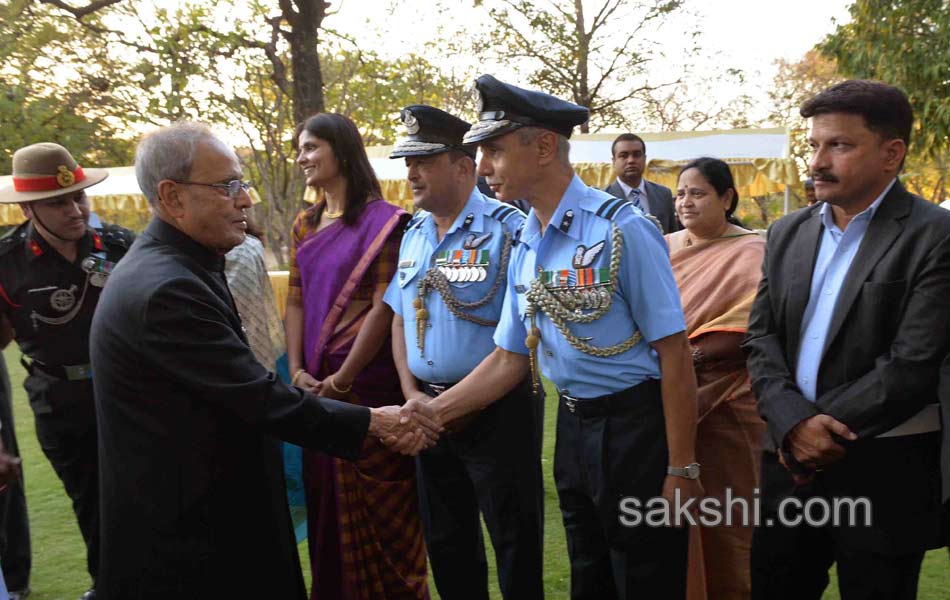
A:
(405, 264)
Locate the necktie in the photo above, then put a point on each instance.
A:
(635, 198)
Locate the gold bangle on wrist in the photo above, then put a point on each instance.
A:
(293, 380)
(338, 390)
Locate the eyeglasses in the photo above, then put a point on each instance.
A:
(232, 188)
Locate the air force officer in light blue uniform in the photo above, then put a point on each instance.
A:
(593, 305)
(447, 298)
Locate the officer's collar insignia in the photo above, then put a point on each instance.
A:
(584, 257)
(521, 288)
(469, 219)
(410, 122)
(35, 248)
(566, 221)
(472, 241)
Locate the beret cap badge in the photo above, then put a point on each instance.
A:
(65, 177)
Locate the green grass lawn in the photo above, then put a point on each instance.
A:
(59, 571)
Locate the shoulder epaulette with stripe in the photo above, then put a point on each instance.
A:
(517, 235)
(13, 239)
(503, 213)
(609, 209)
(415, 221)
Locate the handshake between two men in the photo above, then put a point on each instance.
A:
(407, 429)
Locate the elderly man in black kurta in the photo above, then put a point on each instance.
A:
(193, 499)
(52, 270)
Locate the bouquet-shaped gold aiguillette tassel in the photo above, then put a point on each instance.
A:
(532, 341)
(422, 315)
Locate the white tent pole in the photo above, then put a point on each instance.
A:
(787, 197)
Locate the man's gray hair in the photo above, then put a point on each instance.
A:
(528, 134)
(168, 153)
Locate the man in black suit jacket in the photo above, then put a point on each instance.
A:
(845, 343)
(629, 153)
(192, 489)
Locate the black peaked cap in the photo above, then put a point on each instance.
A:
(504, 108)
(430, 131)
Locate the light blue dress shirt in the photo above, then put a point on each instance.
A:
(647, 299)
(453, 346)
(836, 252)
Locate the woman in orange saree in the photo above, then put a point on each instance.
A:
(717, 265)
(364, 532)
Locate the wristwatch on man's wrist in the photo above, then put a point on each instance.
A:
(690, 471)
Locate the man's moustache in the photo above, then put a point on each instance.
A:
(826, 177)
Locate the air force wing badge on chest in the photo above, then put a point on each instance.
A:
(472, 241)
(585, 257)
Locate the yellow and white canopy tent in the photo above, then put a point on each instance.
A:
(759, 159)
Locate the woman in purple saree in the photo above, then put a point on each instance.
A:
(364, 532)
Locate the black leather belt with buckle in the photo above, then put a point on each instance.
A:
(434, 389)
(611, 403)
(570, 402)
(68, 372)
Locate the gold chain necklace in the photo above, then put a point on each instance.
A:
(332, 215)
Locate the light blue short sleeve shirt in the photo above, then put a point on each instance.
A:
(453, 346)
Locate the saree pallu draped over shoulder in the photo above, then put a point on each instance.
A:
(364, 531)
(718, 280)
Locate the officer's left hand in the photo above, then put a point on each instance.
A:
(688, 488)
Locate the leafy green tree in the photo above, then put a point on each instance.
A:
(55, 85)
(906, 43)
(372, 90)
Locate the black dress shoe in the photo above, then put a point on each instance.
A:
(89, 595)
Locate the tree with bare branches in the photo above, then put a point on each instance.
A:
(597, 60)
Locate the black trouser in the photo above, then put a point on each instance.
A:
(66, 428)
(494, 466)
(792, 562)
(15, 553)
(608, 449)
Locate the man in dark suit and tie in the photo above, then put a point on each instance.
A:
(630, 160)
(845, 343)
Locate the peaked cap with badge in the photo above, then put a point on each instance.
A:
(503, 108)
(430, 131)
(47, 170)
